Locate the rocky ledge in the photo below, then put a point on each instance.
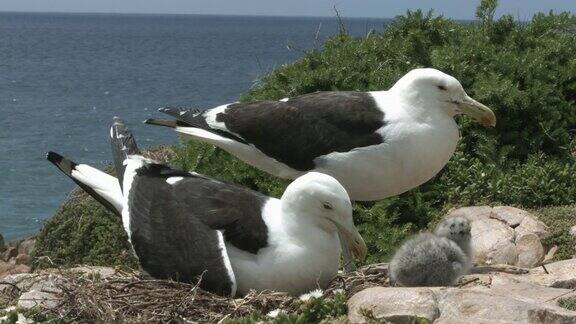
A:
(514, 281)
(505, 294)
(15, 256)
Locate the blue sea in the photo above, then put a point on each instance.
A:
(64, 76)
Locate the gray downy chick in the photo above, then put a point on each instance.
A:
(458, 229)
(433, 259)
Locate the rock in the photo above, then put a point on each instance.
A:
(531, 225)
(36, 298)
(472, 213)
(30, 281)
(573, 230)
(43, 288)
(530, 251)
(22, 259)
(2, 244)
(21, 281)
(26, 246)
(11, 252)
(23, 320)
(497, 235)
(7, 269)
(396, 305)
(512, 216)
(96, 271)
(549, 257)
(530, 291)
(561, 274)
(509, 302)
(550, 316)
(502, 253)
(487, 235)
(485, 306)
(48, 278)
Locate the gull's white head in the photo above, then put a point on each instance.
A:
(323, 200)
(430, 88)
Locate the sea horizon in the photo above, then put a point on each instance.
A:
(335, 16)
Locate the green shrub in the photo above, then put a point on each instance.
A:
(568, 303)
(83, 232)
(559, 221)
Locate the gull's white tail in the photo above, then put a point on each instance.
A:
(100, 185)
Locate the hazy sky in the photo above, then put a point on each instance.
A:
(459, 9)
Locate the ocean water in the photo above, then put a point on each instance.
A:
(64, 76)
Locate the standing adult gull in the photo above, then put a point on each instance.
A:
(376, 144)
(184, 226)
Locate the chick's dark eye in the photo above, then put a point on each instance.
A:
(327, 206)
(441, 87)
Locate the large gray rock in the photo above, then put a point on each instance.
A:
(560, 274)
(503, 252)
(507, 303)
(504, 235)
(477, 306)
(531, 225)
(396, 305)
(472, 213)
(529, 291)
(487, 236)
(512, 216)
(501, 294)
(530, 251)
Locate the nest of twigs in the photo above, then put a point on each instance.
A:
(136, 299)
(129, 297)
(365, 277)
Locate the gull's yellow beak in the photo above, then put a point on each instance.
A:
(477, 111)
(352, 240)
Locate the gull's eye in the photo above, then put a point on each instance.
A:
(327, 206)
(441, 87)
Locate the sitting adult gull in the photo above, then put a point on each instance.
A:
(185, 226)
(376, 144)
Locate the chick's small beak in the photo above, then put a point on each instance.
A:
(477, 111)
(352, 240)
